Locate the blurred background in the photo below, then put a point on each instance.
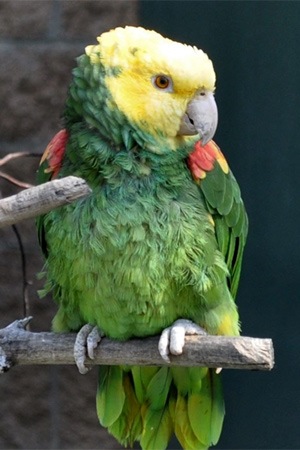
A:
(254, 46)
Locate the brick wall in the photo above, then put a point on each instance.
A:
(42, 407)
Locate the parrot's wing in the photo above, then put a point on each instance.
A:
(223, 199)
(49, 168)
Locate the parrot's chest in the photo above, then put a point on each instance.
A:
(131, 255)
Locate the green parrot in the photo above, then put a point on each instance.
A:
(156, 247)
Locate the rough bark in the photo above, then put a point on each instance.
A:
(18, 346)
(41, 199)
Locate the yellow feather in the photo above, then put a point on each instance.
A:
(183, 430)
(128, 426)
(199, 412)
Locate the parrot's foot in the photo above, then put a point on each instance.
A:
(172, 338)
(87, 340)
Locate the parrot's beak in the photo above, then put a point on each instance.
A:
(201, 117)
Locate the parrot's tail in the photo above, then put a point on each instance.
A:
(149, 404)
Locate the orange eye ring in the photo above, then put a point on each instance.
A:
(162, 81)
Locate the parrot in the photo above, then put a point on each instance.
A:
(156, 247)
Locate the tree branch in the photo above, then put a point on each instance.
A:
(41, 199)
(18, 346)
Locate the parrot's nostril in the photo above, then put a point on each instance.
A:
(191, 120)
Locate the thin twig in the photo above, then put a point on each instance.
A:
(25, 282)
(10, 157)
(15, 181)
(16, 155)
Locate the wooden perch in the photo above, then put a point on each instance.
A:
(41, 199)
(18, 346)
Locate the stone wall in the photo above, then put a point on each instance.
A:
(42, 407)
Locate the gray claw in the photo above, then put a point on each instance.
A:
(87, 340)
(172, 338)
(93, 340)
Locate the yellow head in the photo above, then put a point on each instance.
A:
(153, 79)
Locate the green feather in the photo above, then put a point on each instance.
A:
(180, 379)
(222, 234)
(158, 388)
(142, 376)
(140, 390)
(203, 409)
(218, 407)
(239, 227)
(227, 200)
(110, 395)
(128, 426)
(183, 429)
(127, 138)
(233, 216)
(157, 429)
(199, 414)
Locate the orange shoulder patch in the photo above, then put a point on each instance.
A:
(55, 151)
(203, 159)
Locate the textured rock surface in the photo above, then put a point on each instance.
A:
(42, 407)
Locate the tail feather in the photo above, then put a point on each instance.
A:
(110, 395)
(218, 407)
(180, 379)
(149, 404)
(199, 416)
(158, 388)
(128, 427)
(142, 377)
(182, 427)
(157, 429)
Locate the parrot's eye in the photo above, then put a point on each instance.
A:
(163, 82)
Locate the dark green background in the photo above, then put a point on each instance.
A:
(255, 47)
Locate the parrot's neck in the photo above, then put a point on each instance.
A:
(94, 158)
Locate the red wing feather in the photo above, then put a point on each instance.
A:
(203, 158)
(54, 152)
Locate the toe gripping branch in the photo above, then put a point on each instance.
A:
(86, 342)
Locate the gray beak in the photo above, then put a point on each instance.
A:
(201, 117)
